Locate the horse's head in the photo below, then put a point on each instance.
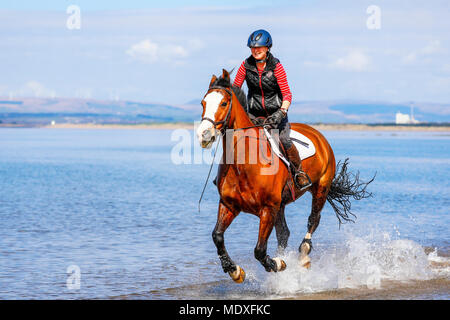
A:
(216, 109)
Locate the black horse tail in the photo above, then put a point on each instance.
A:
(345, 186)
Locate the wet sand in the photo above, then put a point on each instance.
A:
(416, 290)
(433, 289)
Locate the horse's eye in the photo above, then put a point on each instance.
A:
(224, 104)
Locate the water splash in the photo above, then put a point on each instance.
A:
(359, 263)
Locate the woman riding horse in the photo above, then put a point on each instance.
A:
(269, 96)
(244, 187)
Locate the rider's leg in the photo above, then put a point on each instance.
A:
(292, 153)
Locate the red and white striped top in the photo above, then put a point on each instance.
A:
(279, 73)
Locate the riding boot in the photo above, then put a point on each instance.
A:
(302, 180)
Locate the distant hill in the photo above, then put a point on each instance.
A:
(61, 110)
(364, 112)
(66, 110)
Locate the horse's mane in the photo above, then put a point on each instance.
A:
(225, 82)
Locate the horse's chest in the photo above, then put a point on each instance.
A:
(245, 192)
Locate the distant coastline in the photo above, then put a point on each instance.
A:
(190, 126)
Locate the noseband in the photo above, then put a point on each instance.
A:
(224, 122)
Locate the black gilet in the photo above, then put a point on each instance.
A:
(264, 95)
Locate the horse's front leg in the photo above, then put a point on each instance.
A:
(266, 222)
(224, 218)
(282, 230)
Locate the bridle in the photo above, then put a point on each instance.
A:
(227, 117)
(224, 122)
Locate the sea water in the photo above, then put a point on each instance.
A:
(88, 214)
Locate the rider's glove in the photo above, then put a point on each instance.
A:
(275, 118)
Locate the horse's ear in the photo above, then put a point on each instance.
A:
(213, 79)
(225, 74)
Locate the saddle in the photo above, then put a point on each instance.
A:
(303, 144)
(305, 149)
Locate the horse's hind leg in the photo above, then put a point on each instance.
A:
(266, 223)
(319, 197)
(282, 230)
(224, 218)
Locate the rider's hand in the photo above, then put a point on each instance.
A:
(275, 118)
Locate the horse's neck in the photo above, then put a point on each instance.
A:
(239, 116)
(239, 119)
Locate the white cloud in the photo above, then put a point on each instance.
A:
(145, 51)
(431, 48)
(355, 60)
(148, 51)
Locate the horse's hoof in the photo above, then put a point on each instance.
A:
(238, 275)
(305, 262)
(281, 265)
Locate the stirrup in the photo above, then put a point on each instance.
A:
(296, 182)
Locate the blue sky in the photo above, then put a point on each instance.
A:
(166, 52)
(101, 5)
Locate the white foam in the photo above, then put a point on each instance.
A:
(358, 263)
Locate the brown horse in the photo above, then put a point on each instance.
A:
(243, 185)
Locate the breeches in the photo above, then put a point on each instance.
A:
(284, 132)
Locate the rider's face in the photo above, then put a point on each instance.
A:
(259, 53)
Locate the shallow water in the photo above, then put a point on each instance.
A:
(113, 204)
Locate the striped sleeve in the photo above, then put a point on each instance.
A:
(280, 74)
(240, 76)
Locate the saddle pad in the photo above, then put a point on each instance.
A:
(303, 144)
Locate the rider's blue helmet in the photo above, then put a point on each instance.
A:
(259, 38)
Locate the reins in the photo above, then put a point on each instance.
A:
(209, 173)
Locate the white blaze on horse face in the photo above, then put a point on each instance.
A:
(212, 101)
